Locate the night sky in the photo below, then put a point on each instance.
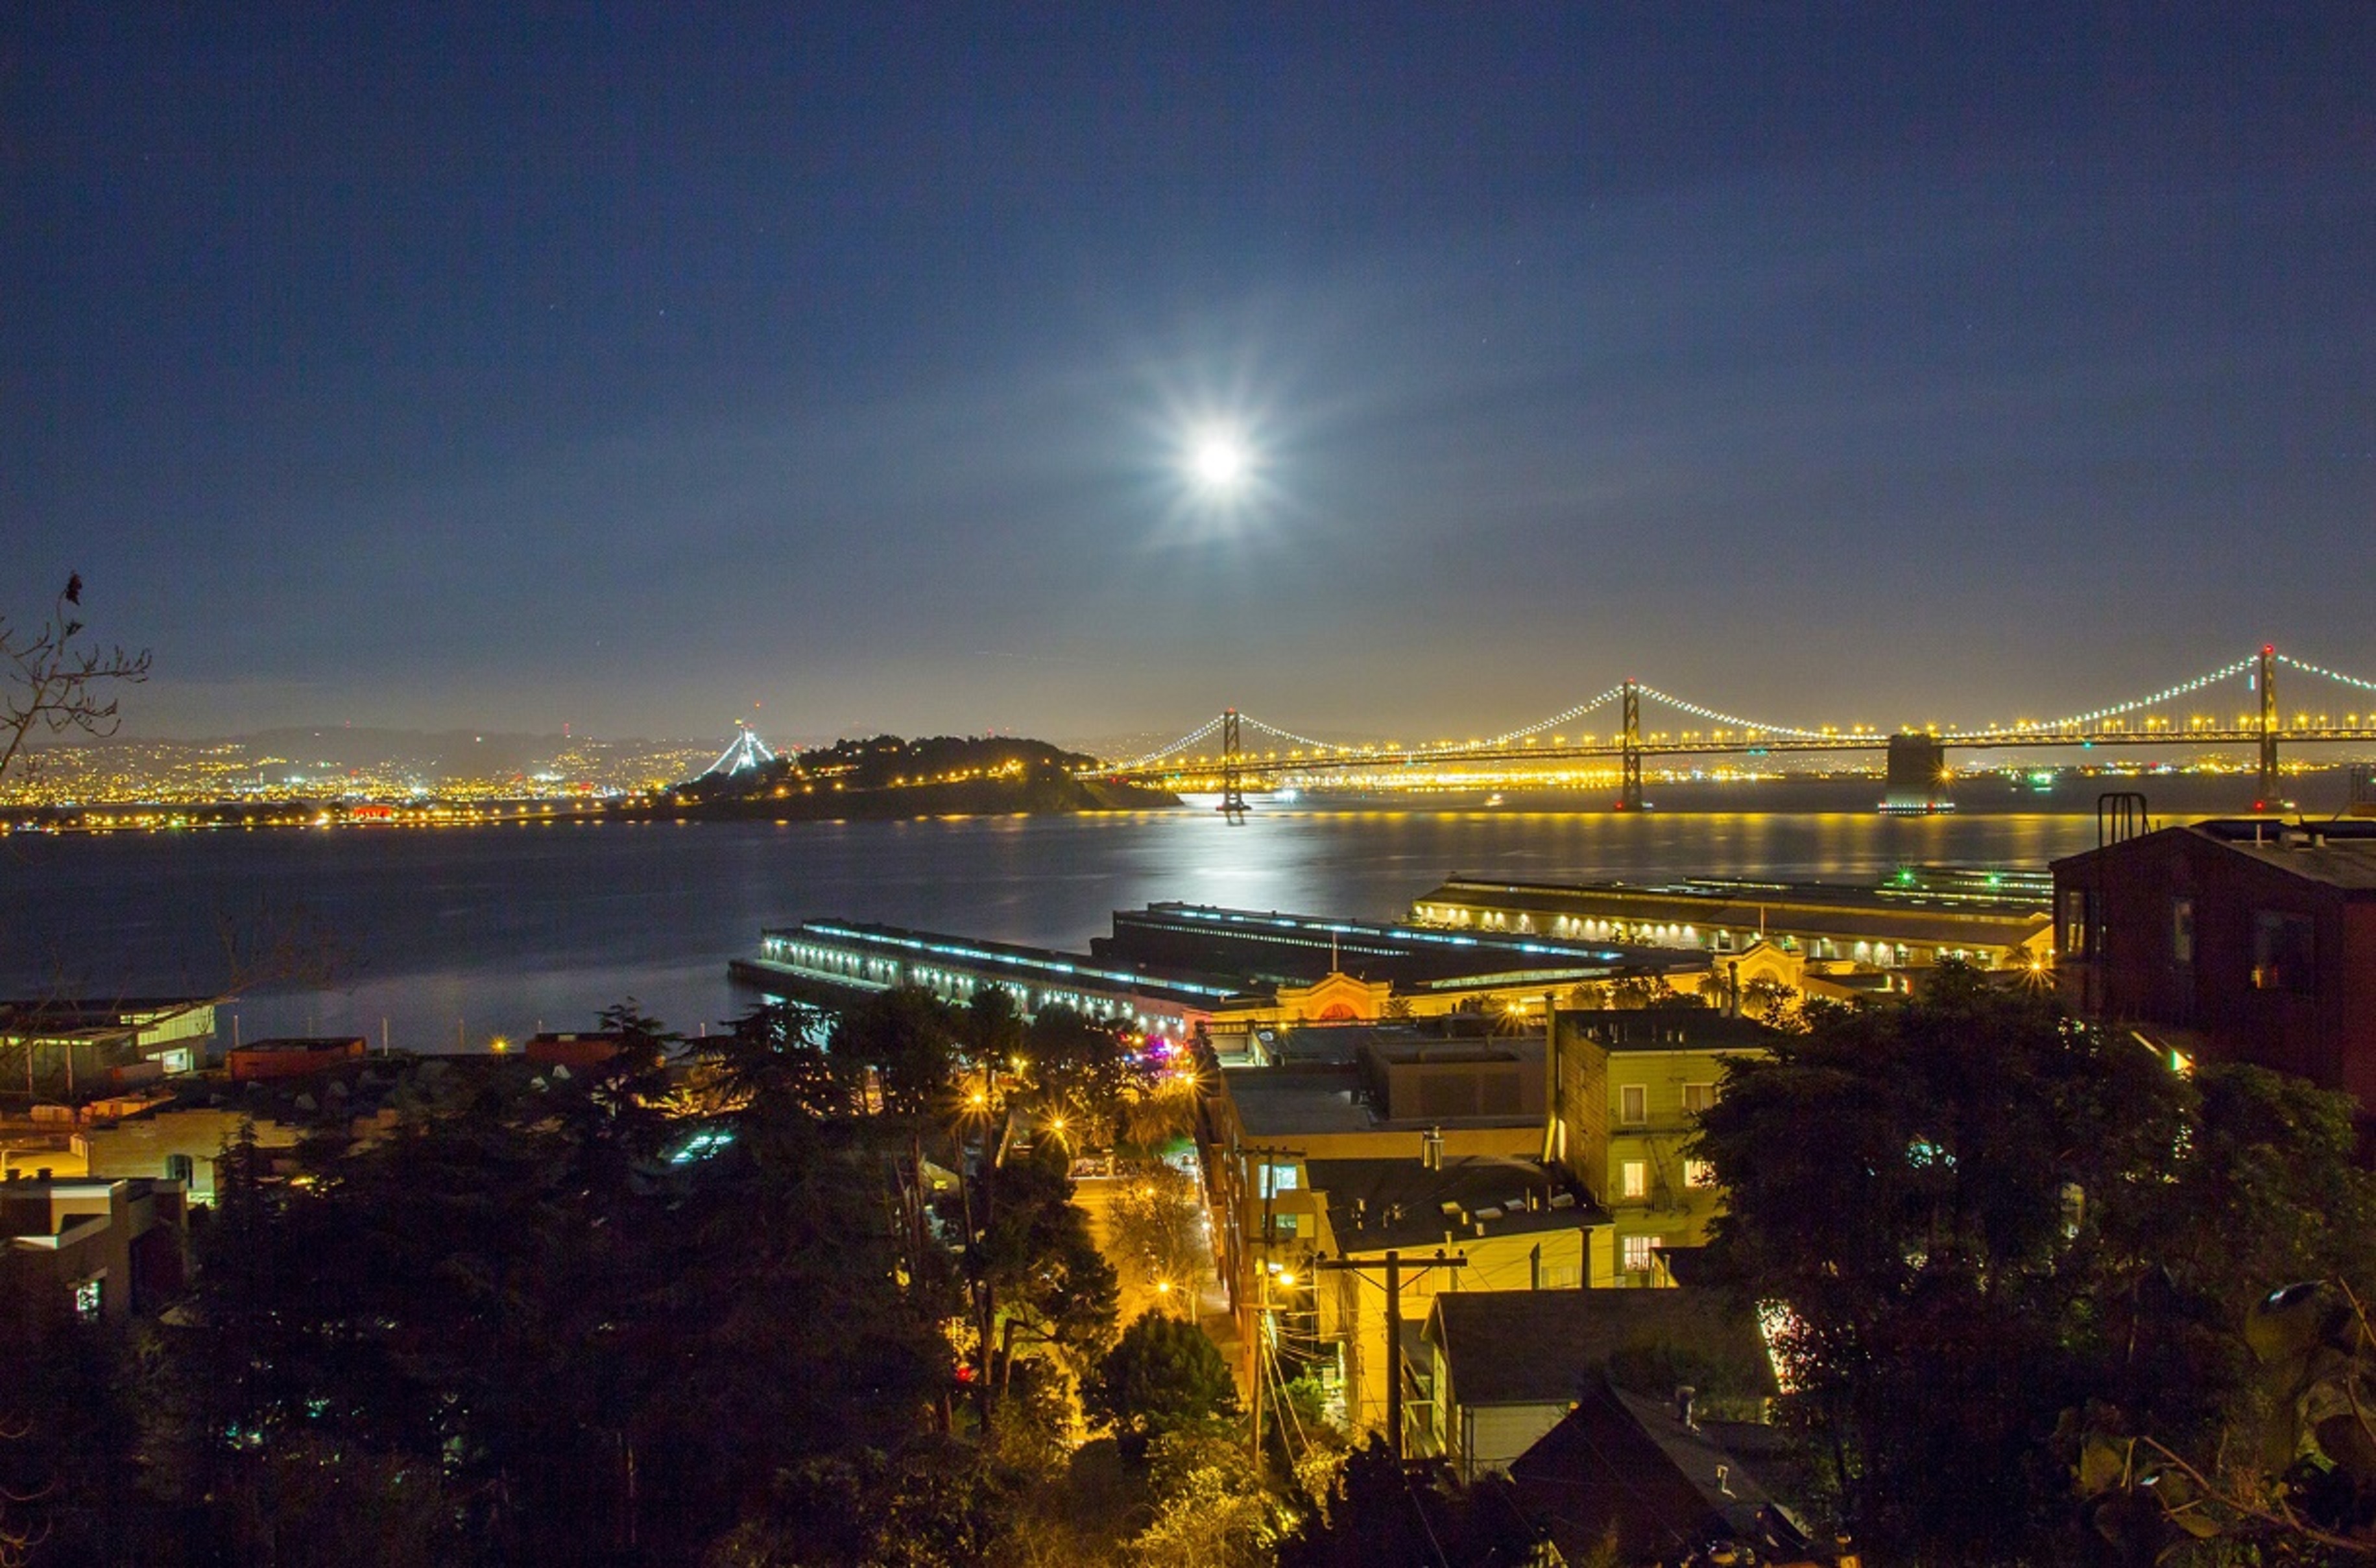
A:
(625, 366)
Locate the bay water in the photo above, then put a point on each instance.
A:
(440, 939)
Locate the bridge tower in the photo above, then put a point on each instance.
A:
(2267, 680)
(1233, 789)
(1629, 793)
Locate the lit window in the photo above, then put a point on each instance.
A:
(2181, 931)
(86, 1297)
(1277, 1179)
(2078, 921)
(2285, 953)
(1635, 1179)
(1637, 1253)
(1698, 1173)
(1634, 1104)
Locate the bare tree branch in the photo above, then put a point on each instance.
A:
(51, 680)
(2280, 1516)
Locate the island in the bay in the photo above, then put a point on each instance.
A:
(889, 777)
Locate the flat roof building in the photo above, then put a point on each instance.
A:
(1512, 1224)
(1916, 917)
(73, 1048)
(1627, 1091)
(119, 1244)
(1172, 969)
(292, 1058)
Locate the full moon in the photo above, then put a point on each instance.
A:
(1217, 462)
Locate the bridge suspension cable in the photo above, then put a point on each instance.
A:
(1249, 719)
(2081, 720)
(1751, 728)
(2307, 668)
(1185, 742)
(1553, 722)
(1732, 721)
(747, 751)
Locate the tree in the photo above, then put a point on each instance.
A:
(768, 1072)
(929, 1504)
(1770, 1001)
(53, 680)
(1078, 1073)
(1155, 1217)
(1151, 1118)
(596, 1348)
(1978, 1216)
(994, 1029)
(905, 1037)
(2236, 1291)
(1211, 1508)
(1637, 988)
(2305, 1492)
(1052, 1286)
(1382, 1511)
(1164, 1374)
(69, 1482)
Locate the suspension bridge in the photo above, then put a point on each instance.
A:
(745, 753)
(1215, 756)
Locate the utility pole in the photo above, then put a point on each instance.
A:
(1254, 1342)
(1394, 1287)
(1554, 1125)
(1247, 1154)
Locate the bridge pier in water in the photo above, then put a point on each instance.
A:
(1918, 780)
(2266, 678)
(1628, 789)
(1233, 782)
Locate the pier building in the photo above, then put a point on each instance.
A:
(1994, 919)
(1235, 974)
(830, 960)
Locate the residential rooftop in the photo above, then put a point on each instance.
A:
(1649, 1029)
(303, 1043)
(2341, 853)
(1374, 1205)
(1542, 1347)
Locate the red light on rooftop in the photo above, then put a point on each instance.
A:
(2267, 648)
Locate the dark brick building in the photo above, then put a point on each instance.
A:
(2246, 941)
